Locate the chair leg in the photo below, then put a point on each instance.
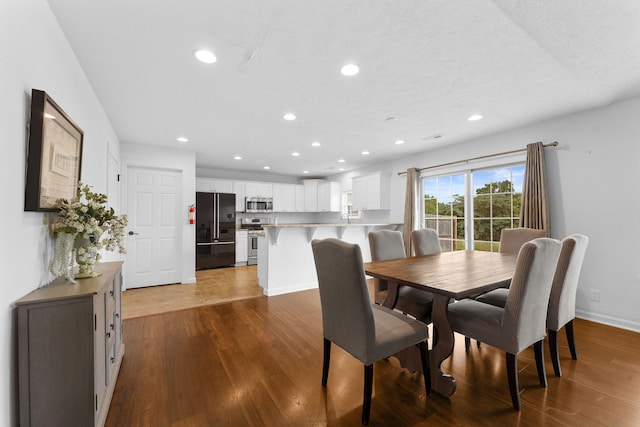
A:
(478, 343)
(325, 363)
(368, 388)
(512, 375)
(467, 343)
(542, 373)
(553, 351)
(572, 344)
(424, 355)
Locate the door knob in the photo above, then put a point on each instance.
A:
(131, 233)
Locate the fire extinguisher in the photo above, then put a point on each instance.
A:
(192, 214)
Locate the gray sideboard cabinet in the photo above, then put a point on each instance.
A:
(70, 349)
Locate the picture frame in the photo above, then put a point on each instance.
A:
(54, 155)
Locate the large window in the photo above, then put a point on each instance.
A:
(469, 209)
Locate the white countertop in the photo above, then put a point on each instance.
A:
(337, 224)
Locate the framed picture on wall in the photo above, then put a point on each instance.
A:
(54, 155)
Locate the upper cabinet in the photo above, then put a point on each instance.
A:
(208, 185)
(238, 189)
(370, 192)
(258, 189)
(329, 197)
(284, 197)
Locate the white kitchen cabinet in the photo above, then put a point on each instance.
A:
(299, 198)
(238, 189)
(329, 197)
(284, 198)
(311, 194)
(370, 192)
(278, 197)
(204, 185)
(209, 185)
(241, 247)
(258, 189)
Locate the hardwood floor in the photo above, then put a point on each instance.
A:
(212, 287)
(258, 361)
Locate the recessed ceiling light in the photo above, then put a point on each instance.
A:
(399, 142)
(305, 171)
(474, 117)
(365, 153)
(289, 116)
(315, 144)
(205, 56)
(349, 70)
(341, 160)
(341, 169)
(237, 158)
(295, 154)
(182, 139)
(267, 167)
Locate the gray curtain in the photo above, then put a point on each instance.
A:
(534, 212)
(411, 207)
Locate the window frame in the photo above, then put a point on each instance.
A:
(469, 217)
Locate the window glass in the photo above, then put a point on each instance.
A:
(495, 195)
(444, 209)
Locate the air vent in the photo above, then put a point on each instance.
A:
(434, 136)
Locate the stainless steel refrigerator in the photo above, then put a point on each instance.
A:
(215, 230)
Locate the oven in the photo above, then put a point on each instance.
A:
(254, 228)
(252, 258)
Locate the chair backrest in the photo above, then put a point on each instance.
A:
(386, 244)
(347, 316)
(562, 302)
(512, 239)
(525, 311)
(425, 241)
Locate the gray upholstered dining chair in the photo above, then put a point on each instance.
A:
(368, 332)
(425, 241)
(562, 301)
(521, 322)
(511, 240)
(389, 244)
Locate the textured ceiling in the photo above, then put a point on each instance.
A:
(430, 64)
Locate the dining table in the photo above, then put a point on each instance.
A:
(448, 276)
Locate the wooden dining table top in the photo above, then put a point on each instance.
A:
(458, 274)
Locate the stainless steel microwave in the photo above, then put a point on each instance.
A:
(258, 204)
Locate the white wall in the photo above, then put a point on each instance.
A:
(592, 179)
(140, 155)
(35, 54)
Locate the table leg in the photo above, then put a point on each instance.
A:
(391, 298)
(442, 383)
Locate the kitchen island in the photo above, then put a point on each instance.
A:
(285, 259)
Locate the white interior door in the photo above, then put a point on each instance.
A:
(154, 236)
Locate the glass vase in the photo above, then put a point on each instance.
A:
(87, 256)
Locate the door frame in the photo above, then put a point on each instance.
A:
(126, 166)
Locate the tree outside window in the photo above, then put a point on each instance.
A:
(495, 195)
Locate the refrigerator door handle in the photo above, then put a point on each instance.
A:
(215, 243)
(216, 207)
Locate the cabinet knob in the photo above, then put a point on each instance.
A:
(108, 334)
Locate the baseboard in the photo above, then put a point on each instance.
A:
(273, 290)
(609, 320)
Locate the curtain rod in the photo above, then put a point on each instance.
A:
(552, 144)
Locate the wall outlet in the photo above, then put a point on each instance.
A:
(595, 295)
